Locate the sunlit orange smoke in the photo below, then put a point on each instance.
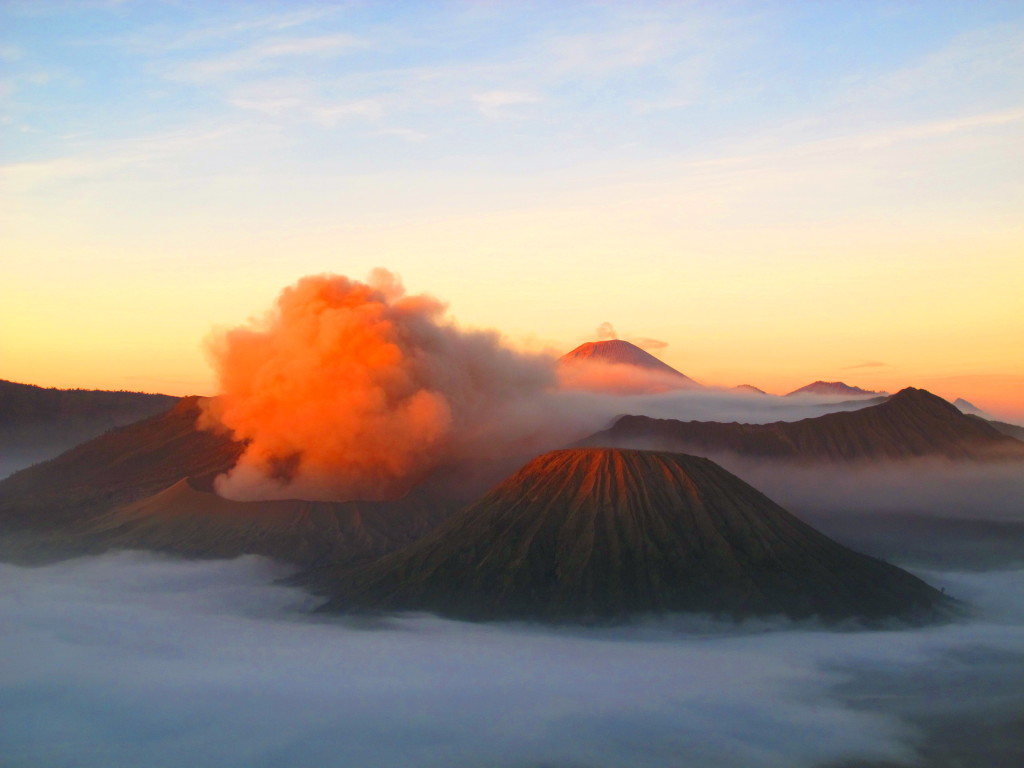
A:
(351, 390)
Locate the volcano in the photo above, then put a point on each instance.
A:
(118, 467)
(149, 485)
(619, 352)
(832, 388)
(911, 423)
(598, 533)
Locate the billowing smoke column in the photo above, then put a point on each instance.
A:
(350, 390)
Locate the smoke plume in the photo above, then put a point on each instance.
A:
(605, 332)
(617, 378)
(351, 390)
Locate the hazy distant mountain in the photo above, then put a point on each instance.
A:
(38, 423)
(1012, 430)
(749, 389)
(968, 407)
(617, 351)
(911, 423)
(832, 388)
(583, 534)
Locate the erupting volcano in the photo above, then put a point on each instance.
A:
(348, 390)
(590, 534)
(617, 366)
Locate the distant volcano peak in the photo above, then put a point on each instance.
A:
(829, 388)
(750, 389)
(620, 352)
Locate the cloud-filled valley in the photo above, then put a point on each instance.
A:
(130, 658)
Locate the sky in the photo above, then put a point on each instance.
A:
(776, 192)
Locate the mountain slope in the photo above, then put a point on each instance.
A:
(149, 486)
(1011, 430)
(185, 520)
(911, 423)
(38, 423)
(120, 466)
(582, 534)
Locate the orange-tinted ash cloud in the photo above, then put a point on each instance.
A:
(352, 390)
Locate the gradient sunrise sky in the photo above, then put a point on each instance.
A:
(781, 192)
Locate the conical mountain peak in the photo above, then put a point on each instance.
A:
(620, 352)
(598, 533)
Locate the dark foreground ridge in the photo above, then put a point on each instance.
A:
(598, 534)
(912, 423)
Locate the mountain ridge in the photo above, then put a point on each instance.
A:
(38, 423)
(911, 423)
(830, 388)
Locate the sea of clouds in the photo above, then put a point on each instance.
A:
(132, 659)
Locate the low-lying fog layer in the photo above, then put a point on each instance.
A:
(714, 405)
(942, 488)
(131, 659)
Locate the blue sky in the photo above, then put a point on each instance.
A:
(746, 154)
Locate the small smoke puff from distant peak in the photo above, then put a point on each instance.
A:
(645, 343)
(352, 390)
(606, 332)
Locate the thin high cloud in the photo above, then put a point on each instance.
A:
(107, 161)
(519, 70)
(500, 103)
(133, 659)
(412, 81)
(267, 55)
